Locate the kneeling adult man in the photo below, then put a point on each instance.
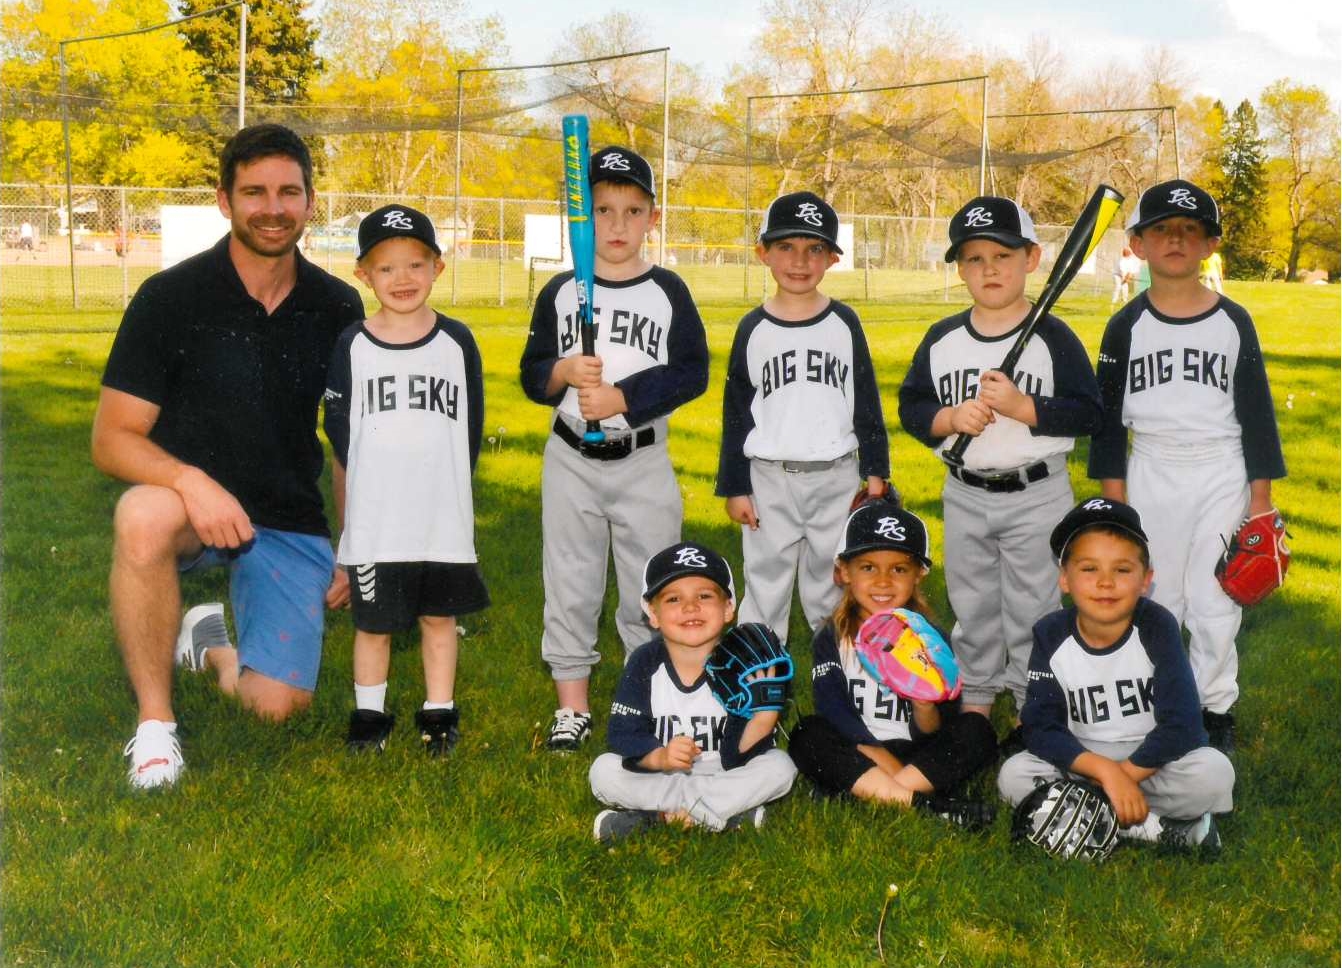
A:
(208, 409)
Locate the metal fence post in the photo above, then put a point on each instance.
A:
(124, 246)
(501, 248)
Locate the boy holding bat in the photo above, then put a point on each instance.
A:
(1012, 487)
(1181, 366)
(618, 496)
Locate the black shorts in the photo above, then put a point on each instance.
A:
(392, 596)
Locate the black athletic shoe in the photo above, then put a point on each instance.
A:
(969, 814)
(439, 729)
(368, 730)
(1012, 743)
(613, 825)
(569, 730)
(1199, 835)
(1220, 730)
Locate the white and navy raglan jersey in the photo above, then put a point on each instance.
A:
(803, 391)
(854, 703)
(405, 420)
(1054, 371)
(1185, 384)
(1138, 690)
(648, 334)
(652, 706)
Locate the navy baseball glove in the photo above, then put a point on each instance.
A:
(750, 671)
(1067, 819)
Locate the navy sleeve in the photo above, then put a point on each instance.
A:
(738, 393)
(1178, 710)
(730, 748)
(1044, 715)
(1259, 438)
(475, 394)
(541, 352)
(143, 358)
(919, 401)
(659, 390)
(1074, 409)
(336, 400)
(873, 444)
(1109, 446)
(829, 689)
(631, 731)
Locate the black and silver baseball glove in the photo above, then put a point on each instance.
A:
(1067, 819)
(750, 671)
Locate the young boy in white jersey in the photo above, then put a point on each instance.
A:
(801, 420)
(404, 414)
(676, 756)
(1013, 486)
(618, 499)
(1111, 695)
(1181, 367)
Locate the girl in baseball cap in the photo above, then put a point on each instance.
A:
(864, 740)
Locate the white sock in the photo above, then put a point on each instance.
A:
(450, 704)
(370, 697)
(1148, 829)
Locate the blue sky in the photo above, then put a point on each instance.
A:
(1231, 49)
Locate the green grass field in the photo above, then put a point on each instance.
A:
(277, 848)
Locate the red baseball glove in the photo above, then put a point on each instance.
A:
(890, 495)
(1256, 558)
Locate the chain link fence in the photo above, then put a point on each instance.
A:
(499, 251)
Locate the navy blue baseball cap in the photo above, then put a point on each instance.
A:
(396, 222)
(991, 217)
(681, 560)
(803, 214)
(621, 165)
(880, 526)
(1097, 511)
(1173, 199)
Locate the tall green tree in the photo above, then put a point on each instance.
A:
(282, 60)
(132, 103)
(1244, 244)
(389, 99)
(1301, 131)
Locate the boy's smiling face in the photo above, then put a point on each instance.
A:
(995, 274)
(1106, 574)
(691, 612)
(797, 263)
(400, 272)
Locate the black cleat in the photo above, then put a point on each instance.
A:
(1220, 729)
(439, 729)
(368, 730)
(969, 814)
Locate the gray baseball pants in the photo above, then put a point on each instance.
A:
(591, 510)
(1001, 577)
(710, 794)
(801, 517)
(1201, 780)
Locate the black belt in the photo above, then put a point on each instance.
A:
(1001, 483)
(612, 448)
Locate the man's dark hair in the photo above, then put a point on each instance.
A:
(263, 141)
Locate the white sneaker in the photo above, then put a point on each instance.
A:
(155, 755)
(202, 628)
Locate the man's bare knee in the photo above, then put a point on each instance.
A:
(150, 524)
(270, 700)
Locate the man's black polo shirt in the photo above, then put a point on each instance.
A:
(237, 389)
